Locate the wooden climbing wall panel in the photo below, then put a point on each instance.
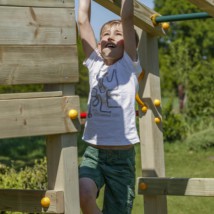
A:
(37, 116)
(39, 3)
(38, 46)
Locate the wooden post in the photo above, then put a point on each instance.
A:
(63, 162)
(152, 154)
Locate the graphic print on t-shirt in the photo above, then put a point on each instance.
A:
(105, 95)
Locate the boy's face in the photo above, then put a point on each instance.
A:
(111, 45)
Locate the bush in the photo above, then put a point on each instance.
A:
(201, 140)
(28, 178)
(200, 102)
(174, 126)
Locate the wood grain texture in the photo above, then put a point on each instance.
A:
(37, 116)
(38, 64)
(30, 95)
(29, 201)
(177, 186)
(151, 135)
(62, 161)
(62, 156)
(37, 26)
(38, 3)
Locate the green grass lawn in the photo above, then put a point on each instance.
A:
(180, 162)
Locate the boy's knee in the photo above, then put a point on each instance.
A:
(88, 191)
(86, 196)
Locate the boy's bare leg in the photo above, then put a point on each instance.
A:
(88, 194)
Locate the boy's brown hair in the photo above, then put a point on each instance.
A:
(116, 22)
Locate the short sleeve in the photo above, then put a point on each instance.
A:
(136, 64)
(93, 58)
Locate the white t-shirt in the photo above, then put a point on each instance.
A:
(111, 104)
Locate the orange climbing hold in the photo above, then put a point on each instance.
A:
(143, 186)
(73, 114)
(157, 120)
(45, 202)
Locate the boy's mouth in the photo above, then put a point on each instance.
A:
(110, 45)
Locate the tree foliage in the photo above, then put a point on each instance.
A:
(174, 126)
(23, 151)
(186, 57)
(195, 33)
(201, 91)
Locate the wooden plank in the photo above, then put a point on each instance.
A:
(206, 5)
(29, 201)
(142, 15)
(38, 64)
(62, 156)
(38, 3)
(151, 136)
(177, 186)
(30, 95)
(37, 116)
(37, 26)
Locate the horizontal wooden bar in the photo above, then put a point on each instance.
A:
(142, 15)
(38, 64)
(38, 116)
(30, 201)
(176, 186)
(30, 95)
(38, 3)
(37, 26)
(206, 5)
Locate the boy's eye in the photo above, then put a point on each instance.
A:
(105, 34)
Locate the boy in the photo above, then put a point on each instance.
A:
(110, 129)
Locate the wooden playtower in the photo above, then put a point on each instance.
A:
(38, 46)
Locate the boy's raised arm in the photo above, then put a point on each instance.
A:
(127, 16)
(85, 28)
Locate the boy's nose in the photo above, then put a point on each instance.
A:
(110, 38)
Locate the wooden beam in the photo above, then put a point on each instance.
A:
(205, 5)
(30, 95)
(38, 116)
(37, 26)
(176, 186)
(151, 136)
(38, 3)
(30, 201)
(62, 161)
(142, 15)
(38, 64)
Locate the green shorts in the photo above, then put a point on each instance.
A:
(116, 170)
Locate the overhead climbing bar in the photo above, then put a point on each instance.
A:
(156, 19)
